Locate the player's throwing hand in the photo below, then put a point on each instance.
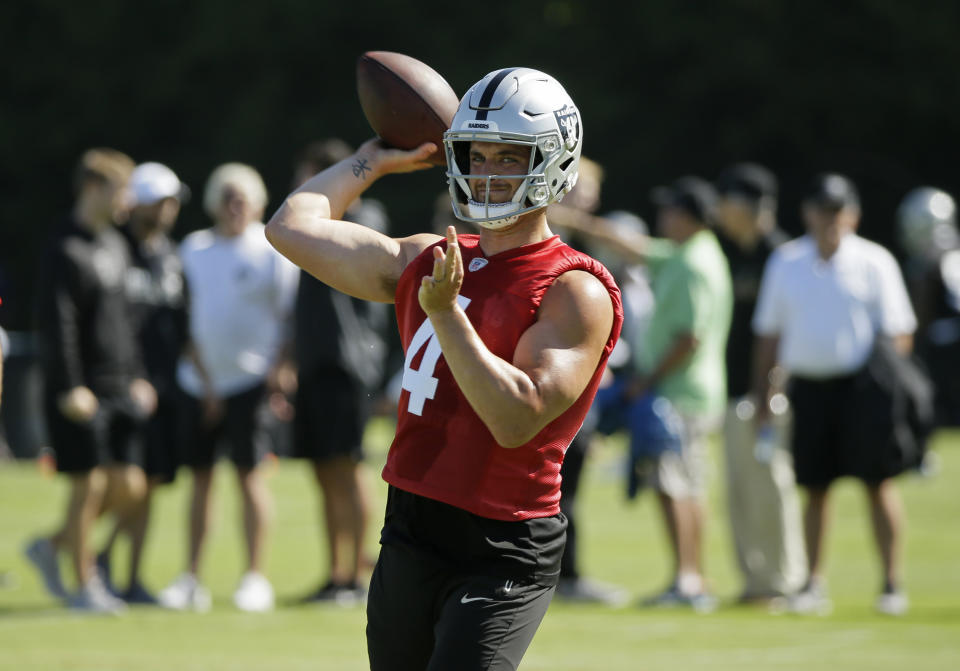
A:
(439, 291)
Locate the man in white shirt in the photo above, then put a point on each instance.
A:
(241, 294)
(824, 300)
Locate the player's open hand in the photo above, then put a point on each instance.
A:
(380, 159)
(439, 291)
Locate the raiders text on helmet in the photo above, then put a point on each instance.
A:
(515, 106)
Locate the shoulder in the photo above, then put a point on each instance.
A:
(581, 300)
(873, 251)
(706, 249)
(254, 239)
(775, 238)
(197, 240)
(793, 251)
(413, 246)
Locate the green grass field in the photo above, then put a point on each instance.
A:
(622, 543)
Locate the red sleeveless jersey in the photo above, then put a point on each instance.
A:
(442, 450)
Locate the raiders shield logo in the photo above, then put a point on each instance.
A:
(569, 121)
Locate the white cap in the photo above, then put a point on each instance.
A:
(151, 182)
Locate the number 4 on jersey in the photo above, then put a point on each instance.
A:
(420, 382)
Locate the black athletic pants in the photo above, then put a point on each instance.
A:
(425, 614)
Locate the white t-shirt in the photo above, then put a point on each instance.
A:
(241, 298)
(828, 313)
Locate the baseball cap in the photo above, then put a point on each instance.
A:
(748, 180)
(151, 182)
(832, 191)
(690, 193)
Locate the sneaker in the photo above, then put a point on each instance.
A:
(893, 603)
(103, 570)
(811, 600)
(139, 595)
(43, 556)
(672, 597)
(254, 594)
(665, 599)
(93, 597)
(186, 593)
(348, 594)
(585, 590)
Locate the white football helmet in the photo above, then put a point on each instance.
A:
(927, 221)
(515, 106)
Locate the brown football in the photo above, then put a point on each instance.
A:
(406, 102)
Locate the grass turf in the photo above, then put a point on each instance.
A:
(621, 543)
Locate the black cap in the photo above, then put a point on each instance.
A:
(748, 180)
(832, 191)
(694, 195)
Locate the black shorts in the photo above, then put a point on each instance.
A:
(239, 433)
(825, 439)
(113, 436)
(423, 613)
(452, 590)
(332, 409)
(162, 438)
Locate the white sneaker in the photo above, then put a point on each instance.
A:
(185, 593)
(94, 597)
(893, 603)
(812, 600)
(254, 594)
(43, 556)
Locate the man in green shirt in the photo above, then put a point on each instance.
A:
(679, 393)
(682, 361)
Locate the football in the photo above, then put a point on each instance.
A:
(405, 101)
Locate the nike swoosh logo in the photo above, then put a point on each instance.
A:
(466, 599)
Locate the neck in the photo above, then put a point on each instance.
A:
(143, 230)
(529, 228)
(228, 229)
(827, 249)
(88, 219)
(747, 238)
(687, 233)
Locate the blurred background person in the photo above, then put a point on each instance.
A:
(341, 350)
(825, 300)
(683, 364)
(95, 395)
(574, 214)
(676, 397)
(926, 226)
(241, 295)
(156, 290)
(764, 508)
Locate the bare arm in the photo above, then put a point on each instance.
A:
(554, 359)
(358, 261)
(903, 343)
(631, 245)
(680, 350)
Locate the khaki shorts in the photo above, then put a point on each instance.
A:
(683, 474)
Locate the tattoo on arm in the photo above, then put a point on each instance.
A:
(360, 168)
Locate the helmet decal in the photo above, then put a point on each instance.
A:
(568, 119)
